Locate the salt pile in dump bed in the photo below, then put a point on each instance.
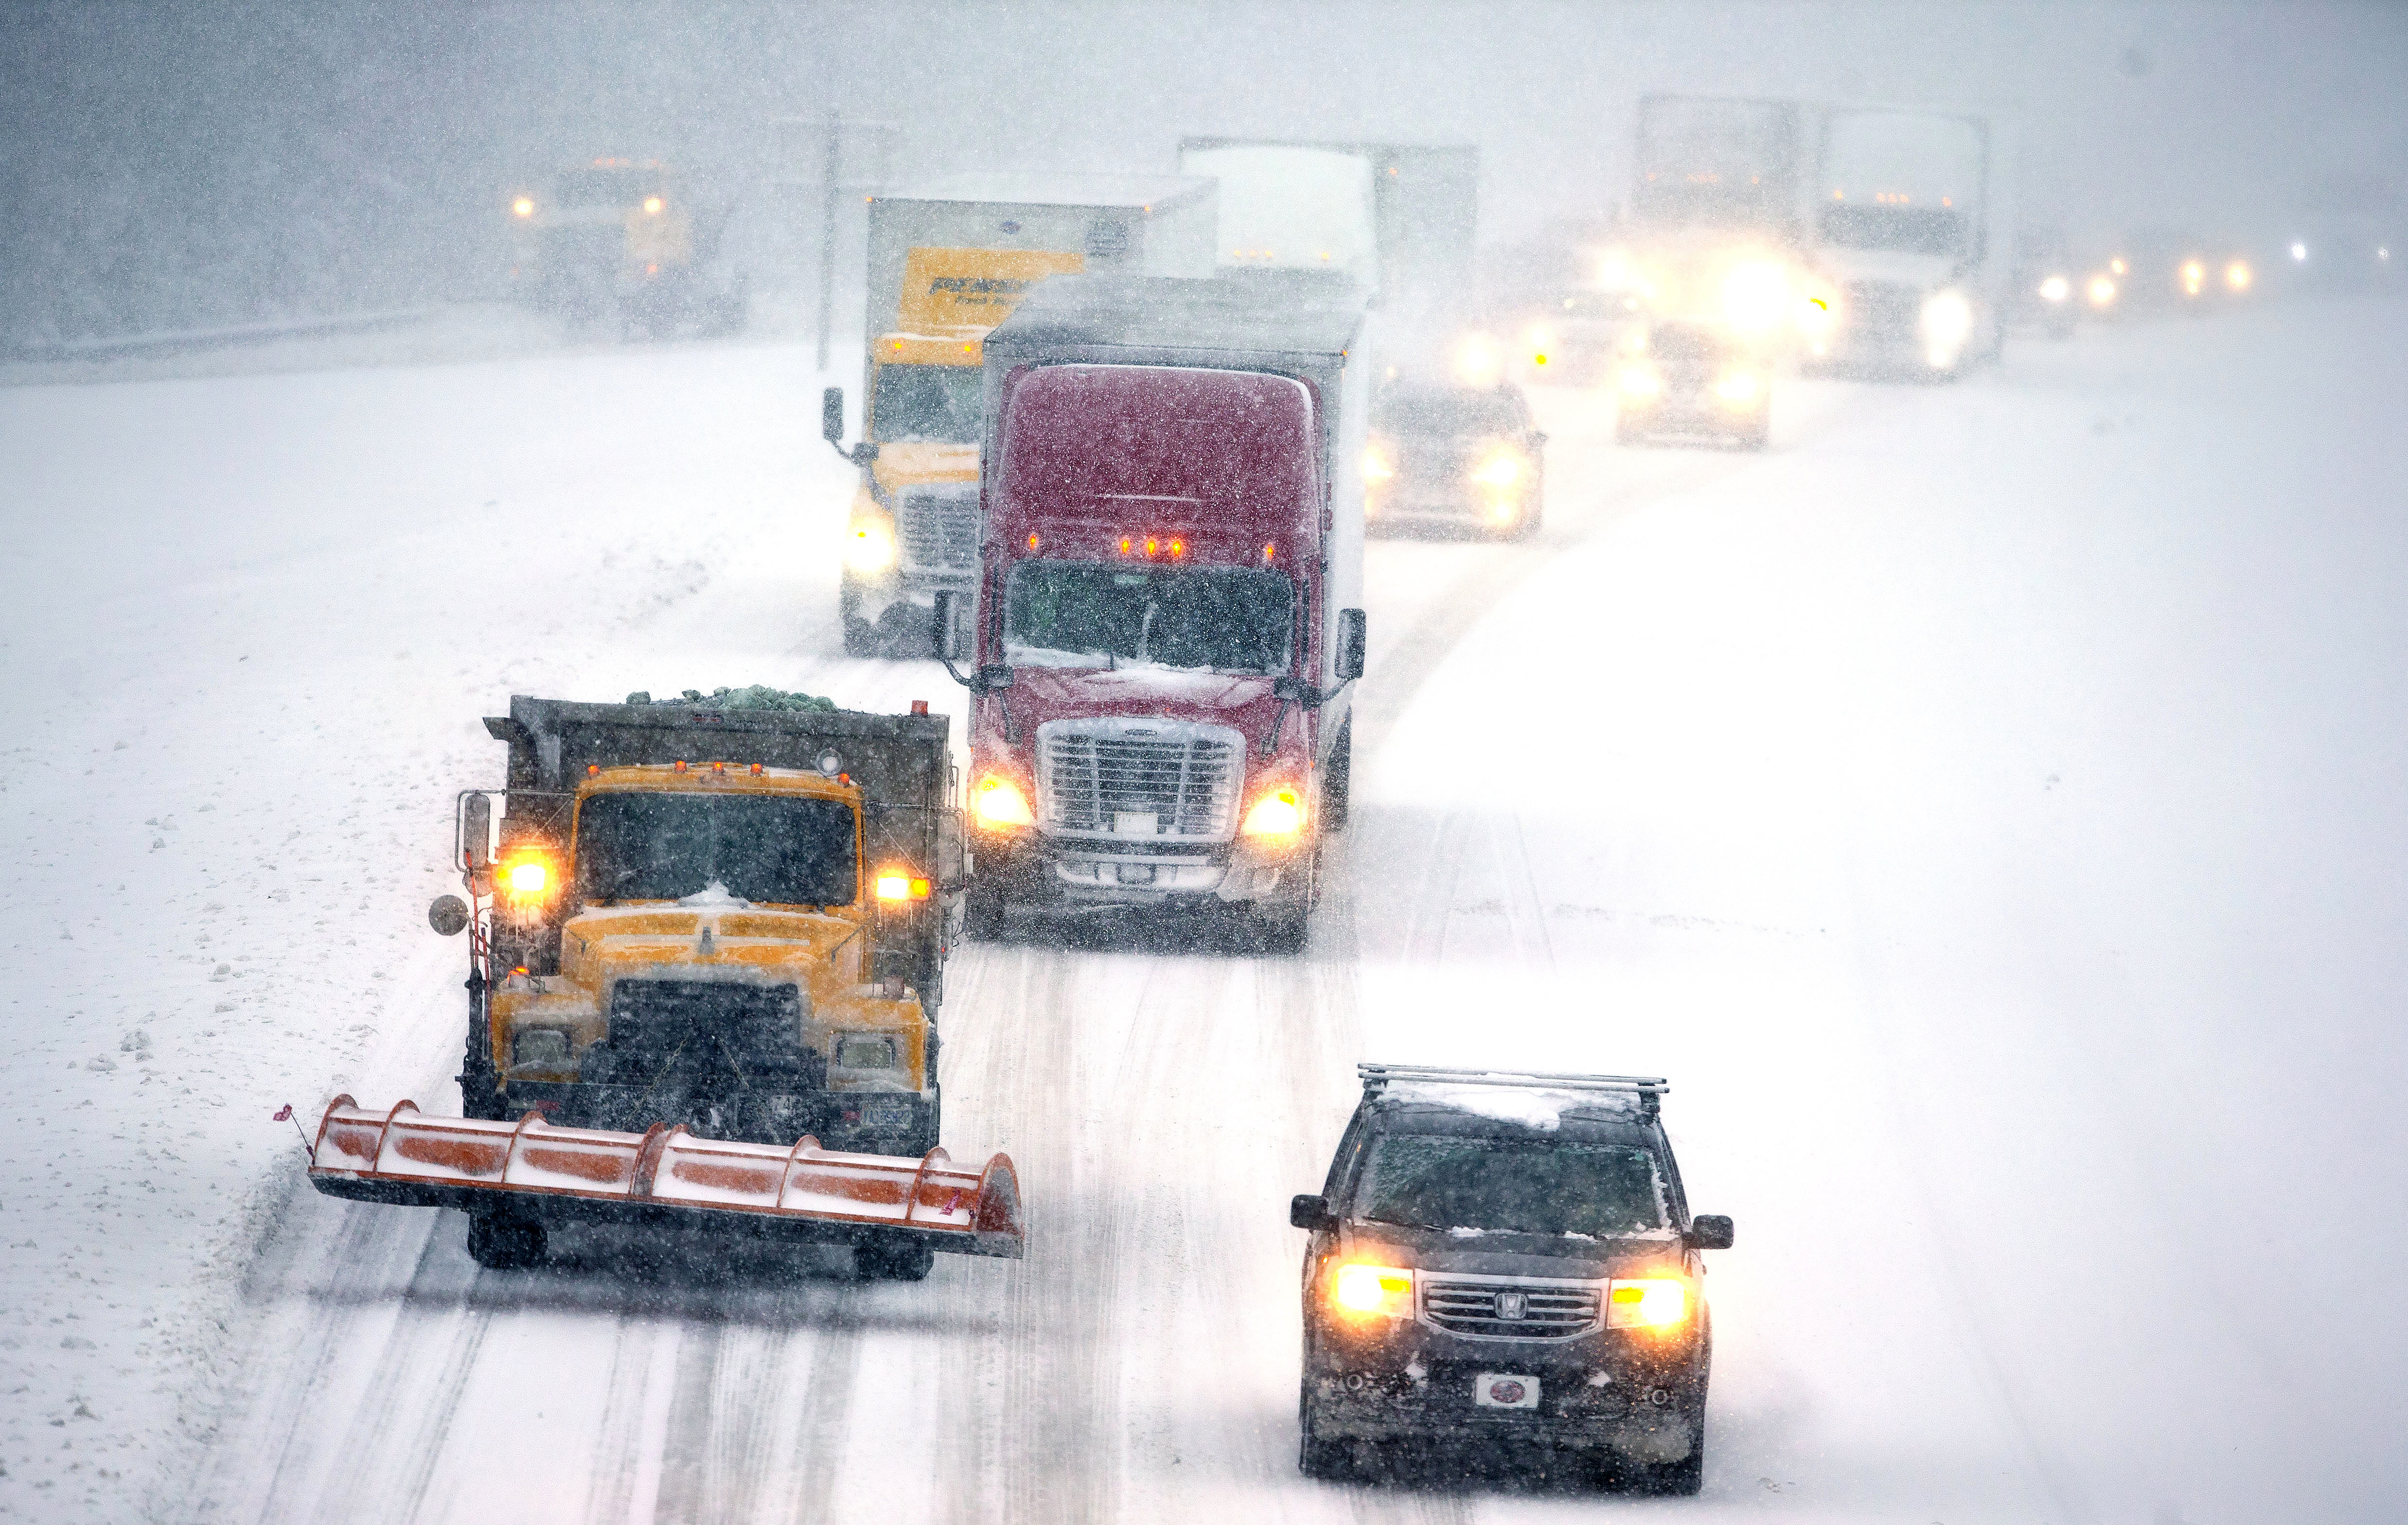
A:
(753, 696)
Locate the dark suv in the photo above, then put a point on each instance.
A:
(1507, 1256)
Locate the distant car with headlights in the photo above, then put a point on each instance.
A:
(1692, 379)
(1507, 1258)
(1455, 456)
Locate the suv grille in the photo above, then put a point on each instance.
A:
(937, 529)
(1091, 773)
(1477, 1306)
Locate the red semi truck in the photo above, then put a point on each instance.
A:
(1168, 621)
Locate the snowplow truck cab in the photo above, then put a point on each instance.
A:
(729, 918)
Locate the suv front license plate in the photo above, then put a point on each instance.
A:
(1504, 1389)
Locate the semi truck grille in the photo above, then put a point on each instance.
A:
(1883, 308)
(1501, 1308)
(937, 529)
(1144, 778)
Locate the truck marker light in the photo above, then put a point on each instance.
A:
(1268, 552)
(999, 803)
(676, 767)
(756, 769)
(1372, 1289)
(1149, 545)
(1652, 1303)
(1178, 548)
(1124, 545)
(919, 707)
(592, 770)
(1032, 539)
(719, 767)
(1278, 813)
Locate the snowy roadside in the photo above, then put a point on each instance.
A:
(256, 622)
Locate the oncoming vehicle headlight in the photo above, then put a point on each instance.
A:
(2194, 277)
(1756, 295)
(1278, 813)
(868, 1051)
(522, 207)
(1947, 320)
(1650, 1303)
(997, 801)
(2103, 290)
(1376, 465)
(1641, 381)
(1737, 387)
(2055, 289)
(2236, 276)
(1502, 470)
(870, 547)
(1365, 1290)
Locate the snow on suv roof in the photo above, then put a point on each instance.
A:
(1531, 1099)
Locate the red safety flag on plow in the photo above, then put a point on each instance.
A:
(283, 1114)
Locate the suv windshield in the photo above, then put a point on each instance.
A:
(1451, 410)
(1520, 1185)
(925, 405)
(1073, 613)
(772, 850)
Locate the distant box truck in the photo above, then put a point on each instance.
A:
(947, 262)
(1394, 218)
(1914, 237)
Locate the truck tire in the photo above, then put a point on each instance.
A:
(1337, 784)
(881, 1260)
(504, 1243)
(982, 909)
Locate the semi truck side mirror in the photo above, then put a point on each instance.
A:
(1310, 1212)
(832, 416)
(944, 626)
(477, 831)
(448, 915)
(1351, 637)
(1711, 1232)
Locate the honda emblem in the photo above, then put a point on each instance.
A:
(1512, 1304)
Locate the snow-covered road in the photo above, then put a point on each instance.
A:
(1987, 807)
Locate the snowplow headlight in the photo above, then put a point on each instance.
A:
(2103, 290)
(2055, 289)
(997, 801)
(1366, 1289)
(1278, 813)
(870, 548)
(2236, 276)
(1651, 1302)
(527, 877)
(901, 884)
(1502, 470)
(1641, 381)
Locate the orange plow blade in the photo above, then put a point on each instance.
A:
(533, 1170)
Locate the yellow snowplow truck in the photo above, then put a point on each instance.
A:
(705, 914)
(633, 241)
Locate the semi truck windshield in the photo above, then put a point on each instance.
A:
(1224, 619)
(769, 850)
(925, 405)
(1432, 1181)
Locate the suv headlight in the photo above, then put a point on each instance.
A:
(1947, 319)
(1648, 1302)
(1362, 1291)
(870, 548)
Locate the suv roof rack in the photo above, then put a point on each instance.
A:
(1650, 1089)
